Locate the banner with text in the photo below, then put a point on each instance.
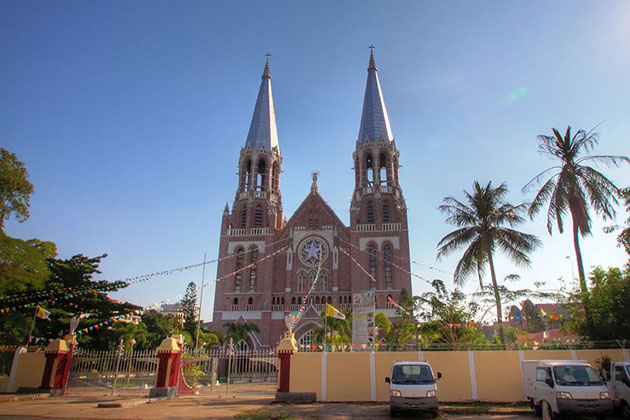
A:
(363, 308)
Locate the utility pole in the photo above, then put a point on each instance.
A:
(203, 276)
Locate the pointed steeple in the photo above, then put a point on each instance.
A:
(263, 131)
(374, 120)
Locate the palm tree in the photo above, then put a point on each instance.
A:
(239, 331)
(482, 229)
(573, 185)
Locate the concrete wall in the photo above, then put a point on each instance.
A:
(30, 369)
(467, 375)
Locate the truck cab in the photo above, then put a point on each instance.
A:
(559, 387)
(619, 387)
(412, 386)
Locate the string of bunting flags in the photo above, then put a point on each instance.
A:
(397, 306)
(298, 316)
(391, 263)
(128, 280)
(52, 300)
(245, 267)
(358, 265)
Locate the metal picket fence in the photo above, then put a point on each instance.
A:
(114, 372)
(230, 371)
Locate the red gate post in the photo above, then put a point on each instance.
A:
(286, 349)
(55, 352)
(63, 368)
(168, 354)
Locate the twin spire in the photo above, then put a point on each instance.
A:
(263, 131)
(374, 119)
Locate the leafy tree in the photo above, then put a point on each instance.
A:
(609, 303)
(159, 326)
(189, 307)
(15, 188)
(86, 298)
(482, 229)
(573, 186)
(239, 331)
(448, 319)
(23, 265)
(624, 236)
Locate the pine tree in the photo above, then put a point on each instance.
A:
(189, 307)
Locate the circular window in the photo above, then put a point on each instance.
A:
(312, 252)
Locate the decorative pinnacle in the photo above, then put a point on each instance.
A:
(372, 65)
(266, 73)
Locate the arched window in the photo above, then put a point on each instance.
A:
(299, 301)
(273, 301)
(372, 261)
(370, 212)
(386, 216)
(340, 300)
(317, 300)
(323, 281)
(275, 177)
(260, 176)
(301, 281)
(357, 173)
(293, 300)
(253, 253)
(382, 169)
(369, 166)
(248, 174)
(238, 277)
(311, 278)
(307, 338)
(282, 300)
(243, 217)
(235, 304)
(258, 216)
(387, 253)
(250, 304)
(329, 300)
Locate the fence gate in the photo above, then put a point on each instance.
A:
(236, 372)
(114, 372)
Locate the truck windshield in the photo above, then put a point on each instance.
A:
(576, 376)
(412, 375)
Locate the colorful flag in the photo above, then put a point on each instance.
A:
(42, 313)
(334, 312)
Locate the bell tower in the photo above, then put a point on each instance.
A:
(378, 212)
(257, 206)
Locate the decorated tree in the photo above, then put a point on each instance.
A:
(189, 307)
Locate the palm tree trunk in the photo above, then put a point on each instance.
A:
(578, 257)
(497, 298)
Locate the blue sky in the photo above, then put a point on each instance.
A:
(130, 115)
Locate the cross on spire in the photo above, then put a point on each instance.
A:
(268, 55)
(372, 65)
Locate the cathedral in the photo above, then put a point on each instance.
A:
(267, 264)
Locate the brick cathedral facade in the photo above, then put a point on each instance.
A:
(267, 264)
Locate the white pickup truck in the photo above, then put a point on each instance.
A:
(619, 387)
(556, 387)
(412, 387)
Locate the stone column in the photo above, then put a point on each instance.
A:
(286, 349)
(55, 352)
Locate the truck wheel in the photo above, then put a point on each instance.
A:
(547, 412)
(625, 411)
(392, 413)
(536, 407)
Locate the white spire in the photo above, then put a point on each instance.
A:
(263, 131)
(374, 120)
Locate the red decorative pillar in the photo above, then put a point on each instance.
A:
(55, 353)
(286, 349)
(169, 353)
